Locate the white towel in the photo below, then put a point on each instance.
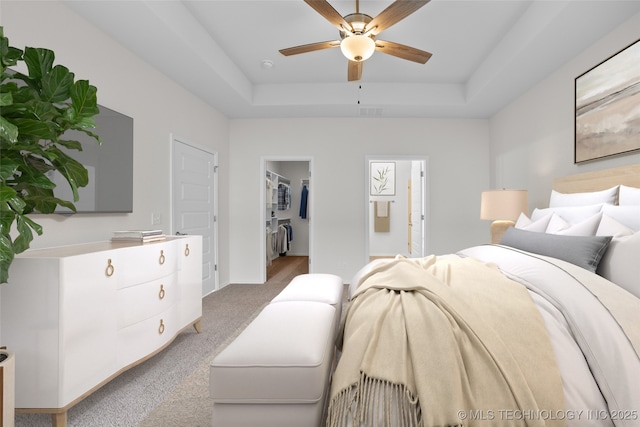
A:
(381, 220)
(383, 209)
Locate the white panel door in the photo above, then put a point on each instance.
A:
(417, 209)
(194, 199)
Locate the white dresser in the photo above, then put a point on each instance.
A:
(77, 316)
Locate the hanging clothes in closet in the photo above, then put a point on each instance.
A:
(270, 245)
(269, 192)
(304, 201)
(284, 197)
(282, 239)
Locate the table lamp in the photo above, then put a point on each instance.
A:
(504, 208)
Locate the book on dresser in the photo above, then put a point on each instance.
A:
(138, 236)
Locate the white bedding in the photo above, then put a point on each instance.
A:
(599, 365)
(594, 328)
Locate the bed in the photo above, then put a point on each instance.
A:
(541, 329)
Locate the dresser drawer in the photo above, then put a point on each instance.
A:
(88, 273)
(147, 262)
(140, 302)
(138, 341)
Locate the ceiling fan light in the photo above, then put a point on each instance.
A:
(358, 26)
(357, 47)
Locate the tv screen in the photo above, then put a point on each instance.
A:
(110, 166)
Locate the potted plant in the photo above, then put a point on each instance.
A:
(37, 108)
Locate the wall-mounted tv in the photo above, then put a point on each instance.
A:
(110, 166)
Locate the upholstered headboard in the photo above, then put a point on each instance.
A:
(599, 180)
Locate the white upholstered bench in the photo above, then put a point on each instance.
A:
(276, 372)
(318, 287)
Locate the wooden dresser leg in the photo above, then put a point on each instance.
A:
(59, 419)
(198, 326)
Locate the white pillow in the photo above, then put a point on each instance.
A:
(610, 227)
(539, 226)
(629, 196)
(572, 214)
(583, 199)
(556, 224)
(627, 215)
(522, 221)
(620, 263)
(587, 227)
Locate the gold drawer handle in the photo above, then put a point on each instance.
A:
(186, 250)
(161, 293)
(110, 269)
(161, 260)
(161, 327)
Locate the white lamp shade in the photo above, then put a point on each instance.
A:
(357, 47)
(503, 204)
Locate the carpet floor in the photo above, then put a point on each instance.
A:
(171, 388)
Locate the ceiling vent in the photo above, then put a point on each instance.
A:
(370, 111)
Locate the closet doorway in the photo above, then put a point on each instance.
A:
(396, 206)
(287, 212)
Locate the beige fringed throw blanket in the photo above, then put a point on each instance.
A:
(443, 341)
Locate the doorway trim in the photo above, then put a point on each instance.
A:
(263, 201)
(215, 248)
(425, 197)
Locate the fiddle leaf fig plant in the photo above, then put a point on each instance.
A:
(37, 108)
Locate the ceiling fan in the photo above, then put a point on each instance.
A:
(358, 32)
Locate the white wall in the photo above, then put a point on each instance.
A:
(158, 106)
(532, 139)
(458, 173)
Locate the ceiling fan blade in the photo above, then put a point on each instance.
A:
(354, 72)
(402, 51)
(309, 47)
(330, 14)
(396, 12)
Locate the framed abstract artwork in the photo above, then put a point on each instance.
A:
(607, 107)
(382, 179)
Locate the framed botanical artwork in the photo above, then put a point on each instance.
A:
(607, 99)
(382, 181)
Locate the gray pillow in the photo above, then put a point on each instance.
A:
(583, 251)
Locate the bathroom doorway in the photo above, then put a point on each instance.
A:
(396, 206)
